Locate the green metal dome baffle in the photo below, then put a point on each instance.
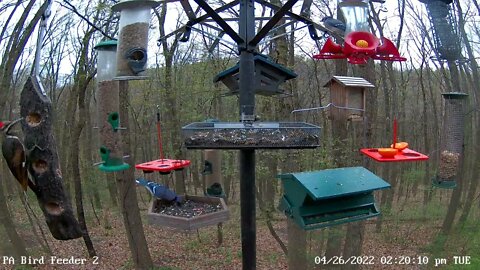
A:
(330, 197)
(268, 77)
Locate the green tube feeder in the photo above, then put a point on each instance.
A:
(325, 198)
(111, 164)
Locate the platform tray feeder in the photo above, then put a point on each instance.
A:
(268, 77)
(330, 197)
(194, 213)
(256, 135)
(163, 166)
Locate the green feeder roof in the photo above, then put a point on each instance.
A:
(259, 58)
(454, 95)
(107, 44)
(330, 197)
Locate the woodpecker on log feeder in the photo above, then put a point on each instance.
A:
(13, 151)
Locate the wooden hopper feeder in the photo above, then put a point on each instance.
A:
(192, 223)
(347, 94)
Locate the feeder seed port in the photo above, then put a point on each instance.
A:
(40, 166)
(33, 119)
(53, 208)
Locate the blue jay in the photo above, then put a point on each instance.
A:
(159, 191)
(334, 24)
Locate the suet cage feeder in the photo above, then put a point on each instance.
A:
(347, 94)
(268, 77)
(256, 135)
(330, 197)
(190, 223)
(446, 40)
(134, 23)
(451, 147)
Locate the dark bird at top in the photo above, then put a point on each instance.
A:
(334, 24)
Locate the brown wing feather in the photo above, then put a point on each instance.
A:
(14, 153)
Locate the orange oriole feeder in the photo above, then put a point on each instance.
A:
(396, 153)
(162, 165)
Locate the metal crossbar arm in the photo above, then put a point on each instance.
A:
(300, 18)
(305, 10)
(216, 42)
(188, 9)
(221, 22)
(198, 20)
(326, 107)
(281, 35)
(214, 37)
(272, 22)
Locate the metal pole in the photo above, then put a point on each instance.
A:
(247, 115)
(247, 205)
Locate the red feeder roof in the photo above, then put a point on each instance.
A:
(163, 165)
(404, 155)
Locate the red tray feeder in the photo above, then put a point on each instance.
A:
(163, 165)
(404, 155)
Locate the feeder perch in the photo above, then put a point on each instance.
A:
(349, 93)
(330, 197)
(189, 223)
(164, 166)
(257, 135)
(111, 164)
(134, 24)
(451, 147)
(268, 77)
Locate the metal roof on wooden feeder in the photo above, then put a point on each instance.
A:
(268, 76)
(347, 95)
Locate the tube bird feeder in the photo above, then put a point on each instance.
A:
(134, 23)
(451, 148)
(108, 106)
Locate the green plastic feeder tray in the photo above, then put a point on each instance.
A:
(444, 183)
(330, 197)
(111, 164)
(268, 77)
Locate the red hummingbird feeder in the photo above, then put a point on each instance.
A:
(359, 44)
(162, 165)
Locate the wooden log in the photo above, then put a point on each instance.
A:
(42, 162)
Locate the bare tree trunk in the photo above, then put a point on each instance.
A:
(128, 196)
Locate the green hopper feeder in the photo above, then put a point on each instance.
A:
(111, 164)
(330, 197)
